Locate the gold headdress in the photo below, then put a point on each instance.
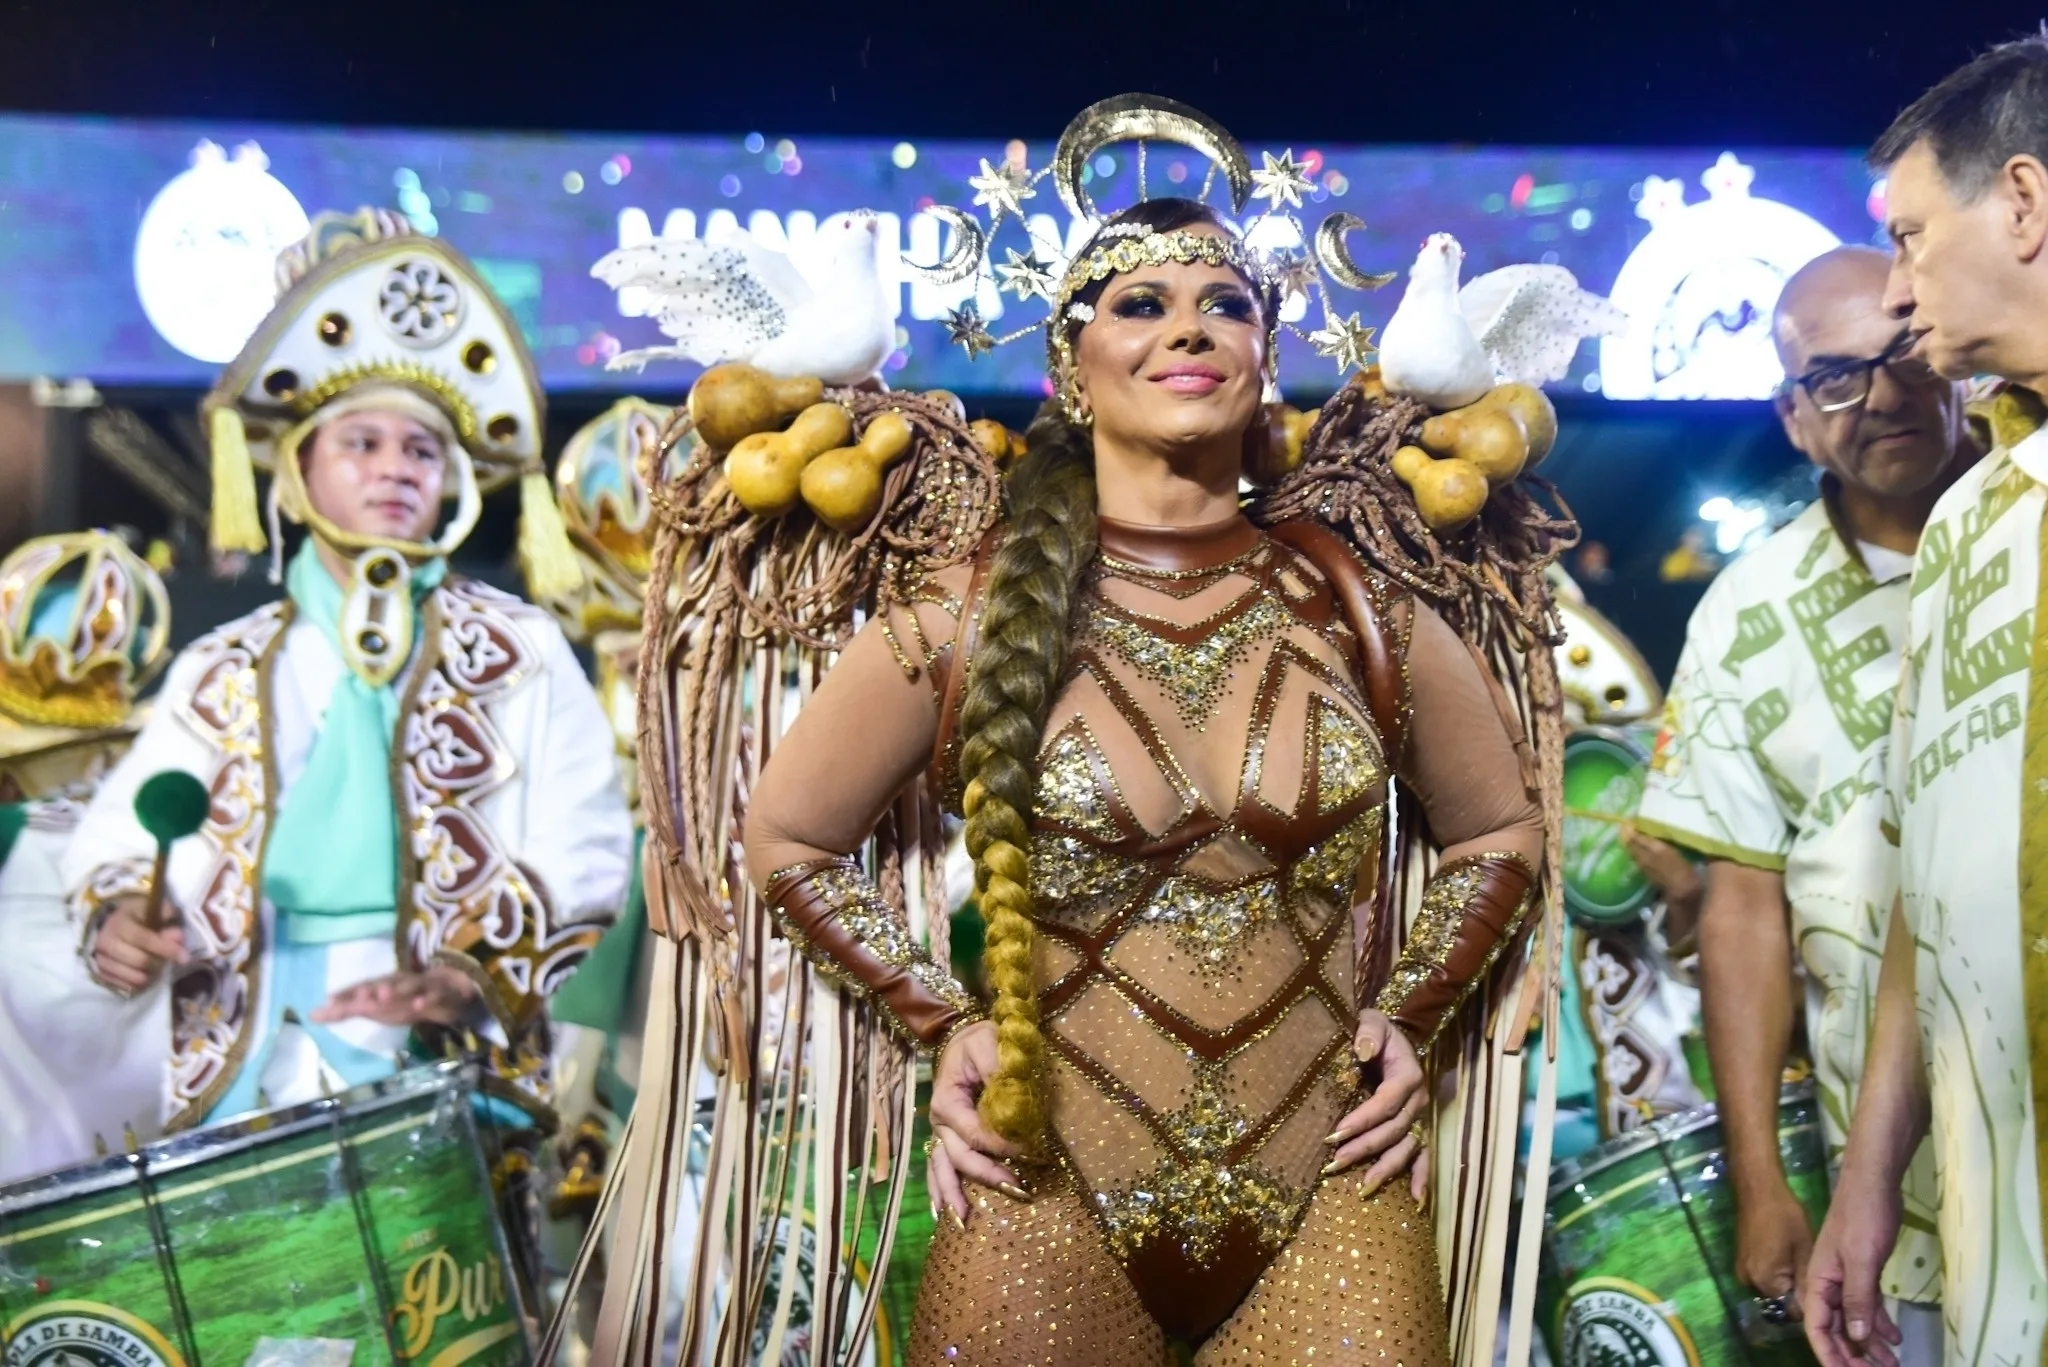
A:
(84, 625)
(601, 484)
(1304, 269)
(367, 305)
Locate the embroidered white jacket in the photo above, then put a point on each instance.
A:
(513, 835)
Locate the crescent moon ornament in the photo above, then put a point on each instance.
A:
(1153, 118)
(969, 245)
(1335, 256)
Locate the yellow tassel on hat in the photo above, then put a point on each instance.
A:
(544, 551)
(236, 526)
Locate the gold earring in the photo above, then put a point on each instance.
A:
(1070, 403)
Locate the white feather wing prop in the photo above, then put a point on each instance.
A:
(715, 303)
(1530, 320)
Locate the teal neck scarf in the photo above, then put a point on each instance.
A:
(331, 867)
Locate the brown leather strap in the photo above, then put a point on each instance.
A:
(1380, 645)
(1177, 549)
(1471, 909)
(1383, 675)
(841, 924)
(954, 663)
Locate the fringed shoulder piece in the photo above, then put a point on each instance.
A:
(812, 1095)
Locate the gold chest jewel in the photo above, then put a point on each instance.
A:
(1195, 674)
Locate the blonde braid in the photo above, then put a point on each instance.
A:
(1019, 659)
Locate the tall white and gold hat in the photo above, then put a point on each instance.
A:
(370, 311)
(85, 624)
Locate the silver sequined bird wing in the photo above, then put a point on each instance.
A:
(716, 303)
(1531, 319)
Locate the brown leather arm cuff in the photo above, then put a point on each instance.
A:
(1471, 909)
(837, 919)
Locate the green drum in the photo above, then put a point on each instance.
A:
(355, 1230)
(890, 1339)
(1604, 768)
(1639, 1247)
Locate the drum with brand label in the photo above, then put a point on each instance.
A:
(1604, 769)
(1639, 1247)
(359, 1228)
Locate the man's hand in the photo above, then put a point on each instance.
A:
(1677, 879)
(1846, 1322)
(128, 953)
(1773, 1240)
(439, 996)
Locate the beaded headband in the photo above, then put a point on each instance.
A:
(1120, 247)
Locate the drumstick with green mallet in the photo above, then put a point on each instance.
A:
(170, 805)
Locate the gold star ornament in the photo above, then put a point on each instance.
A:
(1025, 276)
(1002, 188)
(1282, 181)
(1296, 273)
(1344, 341)
(965, 328)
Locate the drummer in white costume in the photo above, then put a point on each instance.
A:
(1967, 211)
(417, 831)
(84, 625)
(1772, 761)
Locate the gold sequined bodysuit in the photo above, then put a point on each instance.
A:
(1210, 799)
(1211, 795)
(1195, 971)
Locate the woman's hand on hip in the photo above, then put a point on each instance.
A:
(963, 1148)
(1383, 1129)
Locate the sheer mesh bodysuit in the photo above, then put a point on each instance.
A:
(1210, 800)
(1211, 787)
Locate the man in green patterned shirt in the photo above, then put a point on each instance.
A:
(1772, 760)
(1961, 1032)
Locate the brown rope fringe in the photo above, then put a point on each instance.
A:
(1347, 479)
(936, 503)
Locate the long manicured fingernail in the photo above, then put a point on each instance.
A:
(1366, 1052)
(1372, 1184)
(1332, 1168)
(1014, 1192)
(935, 1213)
(959, 1220)
(1335, 1137)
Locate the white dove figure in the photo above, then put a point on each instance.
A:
(1428, 349)
(1447, 346)
(1530, 320)
(744, 301)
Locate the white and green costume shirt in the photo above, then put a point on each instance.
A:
(1958, 775)
(1773, 755)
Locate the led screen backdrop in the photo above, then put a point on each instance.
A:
(140, 252)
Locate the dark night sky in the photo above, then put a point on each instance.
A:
(1744, 72)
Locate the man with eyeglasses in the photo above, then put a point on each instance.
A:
(1959, 1045)
(1771, 762)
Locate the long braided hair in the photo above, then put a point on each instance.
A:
(1019, 663)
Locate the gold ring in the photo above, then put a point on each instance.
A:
(1419, 1134)
(931, 1144)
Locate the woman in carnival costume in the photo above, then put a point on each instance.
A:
(416, 832)
(84, 626)
(1255, 794)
